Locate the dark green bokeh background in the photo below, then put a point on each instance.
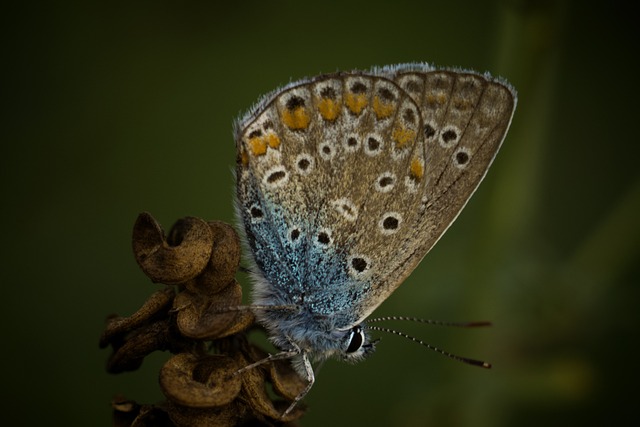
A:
(116, 108)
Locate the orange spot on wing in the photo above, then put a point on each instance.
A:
(329, 109)
(436, 98)
(417, 170)
(403, 136)
(296, 119)
(273, 140)
(381, 108)
(356, 102)
(258, 146)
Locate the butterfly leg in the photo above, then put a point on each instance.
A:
(288, 354)
(310, 378)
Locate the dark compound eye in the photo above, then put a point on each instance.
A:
(356, 340)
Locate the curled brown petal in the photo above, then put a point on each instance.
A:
(157, 303)
(286, 381)
(253, 391)
(254, 381)
(224, 261)
(130, 351)
(181, 258)
(208, 317)
(200, 381)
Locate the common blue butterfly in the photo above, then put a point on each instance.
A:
(344, 182)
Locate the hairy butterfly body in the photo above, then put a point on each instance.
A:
(345, 182)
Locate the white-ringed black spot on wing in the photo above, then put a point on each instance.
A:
(358, 265)
(295, 235)
(304, 164)
(429, 130)
(385, 182)
(276, 177)
(449, 136)
(255, 213)
(390, 222)
(461, 158)
(373, 145)
(351, 143)
(326, 150)
(323, 238)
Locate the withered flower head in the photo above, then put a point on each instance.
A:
(200, 319)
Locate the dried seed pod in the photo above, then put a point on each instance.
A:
(286, 381)
(254, 393)
(156, 306)
(181, 258)
(224, 261)
(200, 381)
(202, 258)
(208, 317)
(130, 351)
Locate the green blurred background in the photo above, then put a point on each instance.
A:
(114, 108)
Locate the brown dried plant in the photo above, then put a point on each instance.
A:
(198, 317)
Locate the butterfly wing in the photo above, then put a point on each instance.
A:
(465, 117)
(319, 164)
(346, 181)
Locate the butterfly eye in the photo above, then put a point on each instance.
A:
(355, 340)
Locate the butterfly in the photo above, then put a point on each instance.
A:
(344, 182)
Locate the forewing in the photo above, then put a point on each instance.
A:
(346, 181)
(465, 117)
(328, 173)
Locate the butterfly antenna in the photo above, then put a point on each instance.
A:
(432, 322)
(466, 360)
